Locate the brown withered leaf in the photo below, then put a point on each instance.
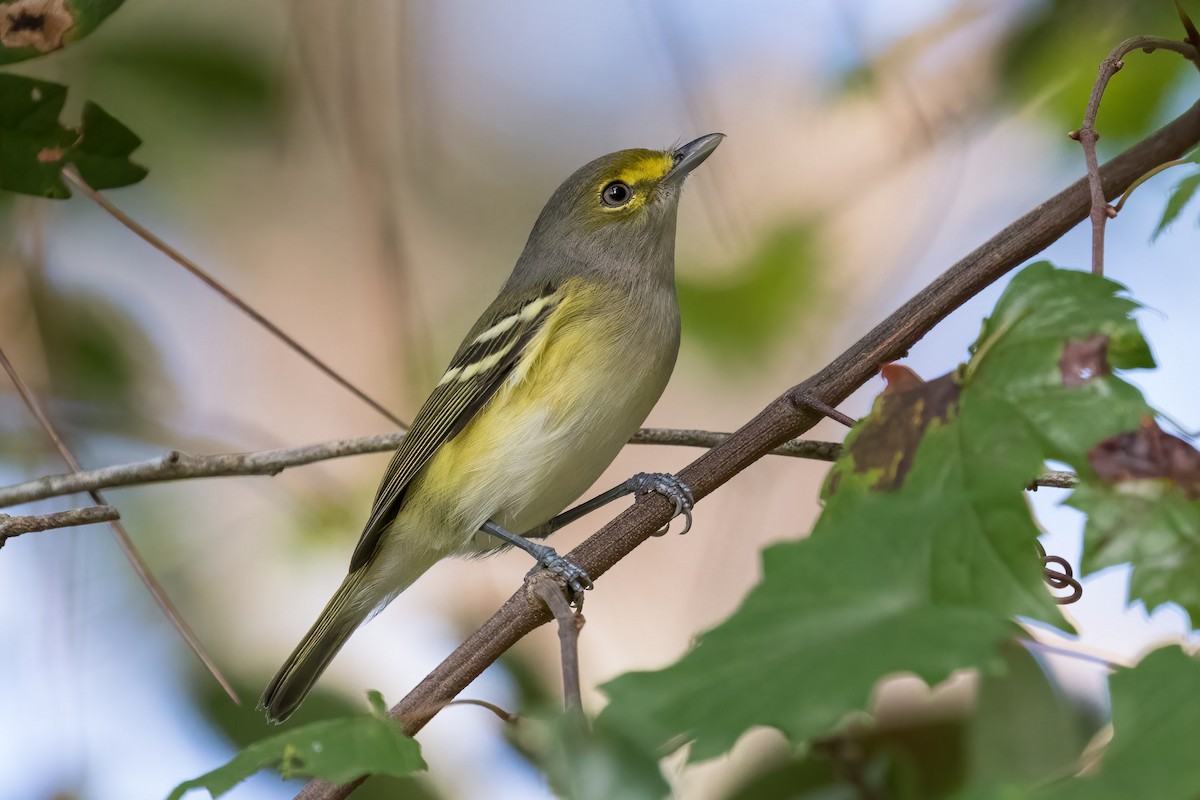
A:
(1084, 359)
(899, 377)
(1148, 453)
(889, 439)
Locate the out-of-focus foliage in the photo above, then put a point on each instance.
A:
(95, 356)
(588, 764)
(581, 764)
(35, 146)
(1022, 729)
(336, 750)
(741, 316)
(31, 28)
(179, 81)
(1019, 728)
(925, 549)
(1155, 713)
(1181, 195)
(1058, 45)
(1155, 716)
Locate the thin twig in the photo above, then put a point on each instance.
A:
(175, 465)
(1087, 134)
(34, 523)
(783, 420)
(505, 716)
(691, 437)
(1161, 167)
(570, 623)
(1055, 479)
(227, 294)
(122, 536)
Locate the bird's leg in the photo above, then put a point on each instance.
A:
(666, 484)
(546, 557)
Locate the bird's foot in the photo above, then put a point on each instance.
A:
(670, 487)
(577, 580)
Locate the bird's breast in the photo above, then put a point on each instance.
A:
(584, 386)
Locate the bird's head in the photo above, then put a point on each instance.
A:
(618, 211)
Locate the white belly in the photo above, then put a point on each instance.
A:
(558, 457)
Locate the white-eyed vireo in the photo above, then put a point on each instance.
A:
(553, 379)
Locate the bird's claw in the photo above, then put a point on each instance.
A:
(670, 487)
(576, 579)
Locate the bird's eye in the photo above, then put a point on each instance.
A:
(615, 194)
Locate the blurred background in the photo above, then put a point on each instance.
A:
(365, 173)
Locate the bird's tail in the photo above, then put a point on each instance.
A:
(347, 609)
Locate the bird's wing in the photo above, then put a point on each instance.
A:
(484, 360)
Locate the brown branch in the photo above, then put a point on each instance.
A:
(227, 294)
(784, 419)
(570, 624)
(89, 515)
(1087, 134)
(122, 536)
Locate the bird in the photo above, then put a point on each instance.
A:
(555, 376)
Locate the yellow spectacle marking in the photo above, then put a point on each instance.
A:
(647, 166)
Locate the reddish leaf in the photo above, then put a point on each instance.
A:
(1148, 453)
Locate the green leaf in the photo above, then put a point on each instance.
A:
(336, 750)
(102, 153)
(1052, 54)
(1043, 366)
(31, 28)
(924, 552)
(1155, 716)
(35, 146)
(1154, 527)
(242, 725)
(1181, 195)
(1021, 730)
(1145, 509)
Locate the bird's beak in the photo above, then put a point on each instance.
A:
(692, 155)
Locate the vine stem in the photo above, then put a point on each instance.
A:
(1087, 135)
